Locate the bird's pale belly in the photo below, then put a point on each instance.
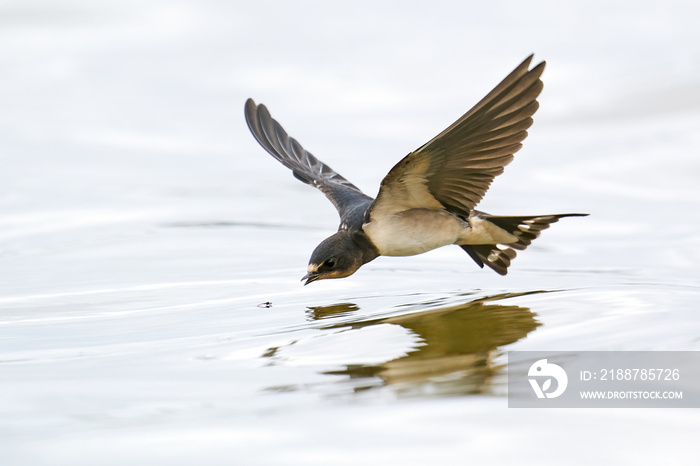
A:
(414, 231)
(417, 231)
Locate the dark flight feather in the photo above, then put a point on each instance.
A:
(345, 196)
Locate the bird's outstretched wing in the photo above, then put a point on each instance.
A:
(455, 169)
(345, 196)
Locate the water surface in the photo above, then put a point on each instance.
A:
(150, 253)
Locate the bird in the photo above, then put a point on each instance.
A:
(428, 199)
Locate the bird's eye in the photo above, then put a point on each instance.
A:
(330, 263)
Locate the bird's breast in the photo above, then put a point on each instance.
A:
(413, 231)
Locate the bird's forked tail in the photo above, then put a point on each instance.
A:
(526, 229)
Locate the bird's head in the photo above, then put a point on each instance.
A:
(339, 256)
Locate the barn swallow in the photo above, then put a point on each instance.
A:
(428, 199)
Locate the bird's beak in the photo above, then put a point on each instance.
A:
(310, 277)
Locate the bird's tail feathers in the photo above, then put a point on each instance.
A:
(526, 228)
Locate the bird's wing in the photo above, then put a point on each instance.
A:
(344, 195)
(455, 169)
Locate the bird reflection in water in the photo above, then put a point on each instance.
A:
(459, 345)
